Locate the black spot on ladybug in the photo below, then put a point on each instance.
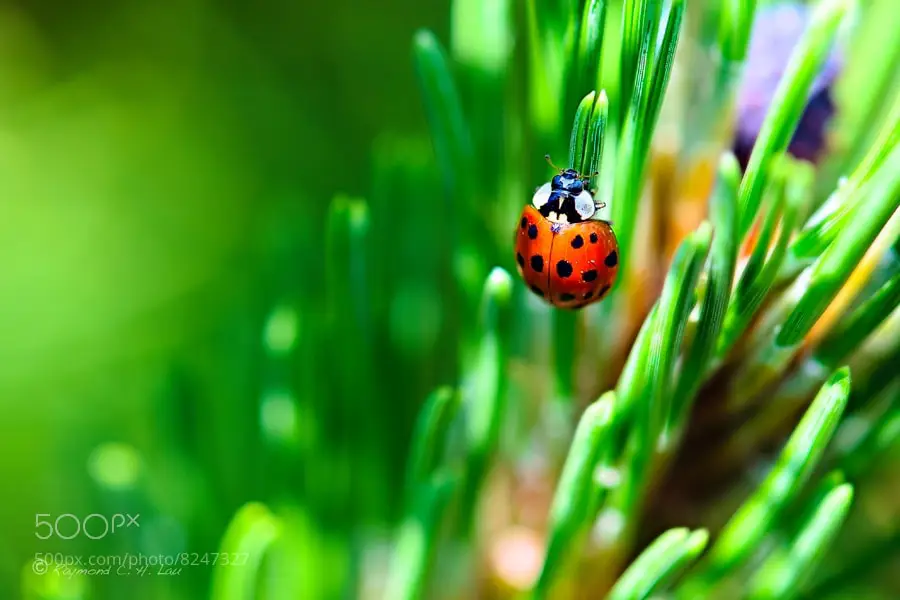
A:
(566, 297)
(520, 259)
(589, 275)
(603, 291)
(563, 268)
(577, 242)
(588, 296)
(612, 259)
(537, 263)
(537, 291)
(532, 231)
(523, 223)
(594, 238)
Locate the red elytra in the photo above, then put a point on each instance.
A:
(569, 265)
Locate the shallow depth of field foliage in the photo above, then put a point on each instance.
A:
(259, 288)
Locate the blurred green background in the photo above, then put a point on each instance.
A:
(165, 171)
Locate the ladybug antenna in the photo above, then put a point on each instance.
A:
(594, 174)
(550, 162)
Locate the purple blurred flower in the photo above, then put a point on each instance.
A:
(776, 31)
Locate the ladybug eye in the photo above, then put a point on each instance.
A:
(584, 205)
(541, 196)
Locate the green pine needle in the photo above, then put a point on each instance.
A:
(762, 268)
(646, 70)
(650, 391)
(481, 34)
(483, 387)
(785, 571)
(659, 80)
(675, 307)
(547, 27)
(449, 131)
(659, 564)
(742, 534)
(570, 511)
(829, 273)
(430, 438)
(858, 325)
(585, 156)
(348, 228)
(417, 540)
(252, 530)
(869, 432)
(719, 276)
(788, 103)
(830, 223)
(584, 37)
(735, 25)
(586, 145)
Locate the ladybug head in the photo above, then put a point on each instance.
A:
(569, 181)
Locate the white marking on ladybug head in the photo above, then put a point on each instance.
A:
(541, 196)
(552, 216)
(584, 205)
(562, 218)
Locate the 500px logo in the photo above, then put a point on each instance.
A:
(94, 526)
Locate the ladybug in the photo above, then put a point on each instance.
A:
(564, 255)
